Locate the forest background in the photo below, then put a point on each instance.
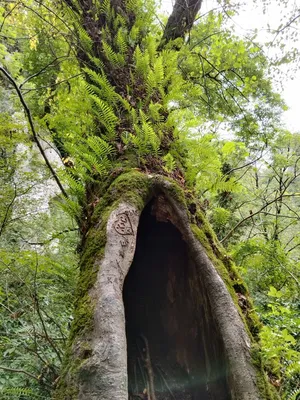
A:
(240, 160)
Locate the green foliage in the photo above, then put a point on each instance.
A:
(226, 81)
(220, 217)
(204, 166)
(144, 140)
(170, 163)
(106, 97)
(21, 393)
(105, 116)
(37, 267)
(280, 339)
(101, 87)
(36, 296)
(294, 394)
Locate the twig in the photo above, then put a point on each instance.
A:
(52, 84)
(10, 205)
(287, 25)
(8, 14)
(22, 371)
(53, 237)
(37, 306)
(229, 234)
(51, 64)
(289, 272)
(245, 165)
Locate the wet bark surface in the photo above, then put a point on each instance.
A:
(174, 351)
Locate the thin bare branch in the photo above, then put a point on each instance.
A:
(51, 64)
(22, 371)
(33, 131)
(8, 210)
(229, 234)
(38, 310)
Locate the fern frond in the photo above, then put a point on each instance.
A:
(142, 62)
(134, 35)
(74, 184)
(143, 117)
(151, 137)
(17, 393)
(170, 163)
(71, 207)
(151, 48)
(231, 185)
(158, 70)
(105, 115)
(132, 5)
(116, 59)
(100, 147)
(84, 39)
(150, 83)
(121, 41)
(133, 115)
(294, 395)
(93, 164)
(154, 111)
(125, 103)
(96, 61)
(105, 90)
(145, 139)
(169, 62)
(104, 7)
(119, 21)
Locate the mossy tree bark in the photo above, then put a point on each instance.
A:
(161, 312)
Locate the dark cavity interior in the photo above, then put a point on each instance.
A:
(172, 342)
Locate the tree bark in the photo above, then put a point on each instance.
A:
(98, 360)
(181, 20)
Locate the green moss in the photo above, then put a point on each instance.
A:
(132, 187)
(264, 386)
(227, 271)
(84, 309)
(66, 388)
(174, 190)
(234, 283)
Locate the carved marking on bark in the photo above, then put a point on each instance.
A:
(120, 271)
(123, 224)
(124, 242)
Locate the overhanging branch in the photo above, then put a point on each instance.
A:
(33, 131)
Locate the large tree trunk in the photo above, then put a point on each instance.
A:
(157, 315)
